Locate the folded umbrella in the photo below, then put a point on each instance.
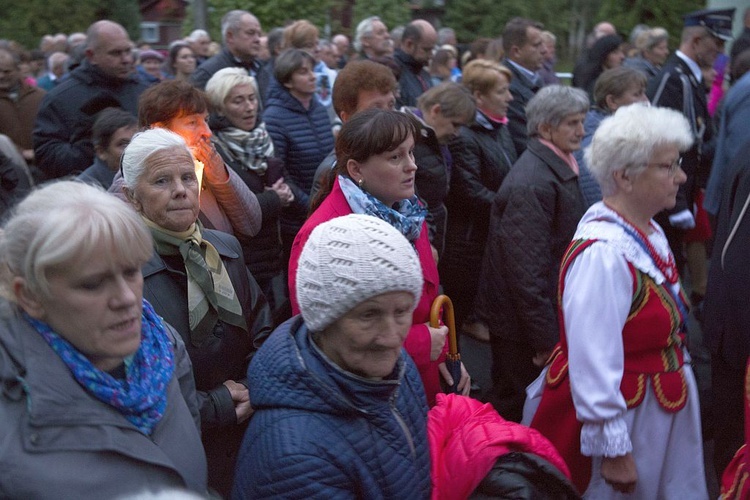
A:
(442, 303)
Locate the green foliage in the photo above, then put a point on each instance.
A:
(570, 20)
(125, 12)
(625, 14)
(27, 21)
(270, 13)
(392, 12)
(273, 13)
(486, 18)
(472, 19)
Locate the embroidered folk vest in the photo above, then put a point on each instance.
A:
(652, 340)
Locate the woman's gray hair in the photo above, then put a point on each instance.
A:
(67, 221)
(221, 84)
(627, 140)
(142, 147)
(650, 38)
(552, 104)
(196, 35)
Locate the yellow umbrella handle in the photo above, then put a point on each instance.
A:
(444, 302)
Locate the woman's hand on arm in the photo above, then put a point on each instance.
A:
(283, 191)
(620, 473)
(241, 398)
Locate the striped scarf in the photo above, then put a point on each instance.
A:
(251, 149)
(211, 294)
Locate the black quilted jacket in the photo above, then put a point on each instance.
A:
(482, 157)
(534, 217)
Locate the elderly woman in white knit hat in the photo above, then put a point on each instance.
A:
(340, 408)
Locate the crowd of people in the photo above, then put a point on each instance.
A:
(222, 263)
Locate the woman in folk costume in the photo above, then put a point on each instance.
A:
(618, 397)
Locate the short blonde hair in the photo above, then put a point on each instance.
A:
(480, 75)
(299, 34)
(65, 221)
(221, 84)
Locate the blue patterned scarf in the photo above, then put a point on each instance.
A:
(142, 396)
(407, 217)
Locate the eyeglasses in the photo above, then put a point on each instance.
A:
(671, 168)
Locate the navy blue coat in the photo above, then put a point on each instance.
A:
(590, 188)
(321, 432)
(726, 323)
(302, 138)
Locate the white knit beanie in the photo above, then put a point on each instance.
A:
(348, 260)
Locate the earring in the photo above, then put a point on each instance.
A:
(361, 183)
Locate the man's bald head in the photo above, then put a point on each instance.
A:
(109, 47)
(419, 40)
(603, 29)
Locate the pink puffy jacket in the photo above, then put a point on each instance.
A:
(466, 437)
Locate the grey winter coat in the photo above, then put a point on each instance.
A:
(57, 441)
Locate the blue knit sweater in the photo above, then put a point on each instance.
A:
(321, 432)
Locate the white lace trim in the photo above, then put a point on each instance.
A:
(608, 439)
(589, 228)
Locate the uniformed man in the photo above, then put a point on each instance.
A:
(680, 86)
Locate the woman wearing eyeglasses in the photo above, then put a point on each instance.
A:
(618, 398)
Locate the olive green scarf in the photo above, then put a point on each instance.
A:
(211, 295)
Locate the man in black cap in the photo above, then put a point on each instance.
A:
(679, 85)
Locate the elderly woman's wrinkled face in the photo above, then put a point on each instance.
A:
(388, 176)
(367, 340)
(167, 191)
(241, 107)
(656, 186)
(95, 304)
(567, 135)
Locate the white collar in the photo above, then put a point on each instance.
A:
(591, 227)
(531, 75)
(694, 68)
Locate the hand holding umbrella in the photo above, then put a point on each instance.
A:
(461, 382)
